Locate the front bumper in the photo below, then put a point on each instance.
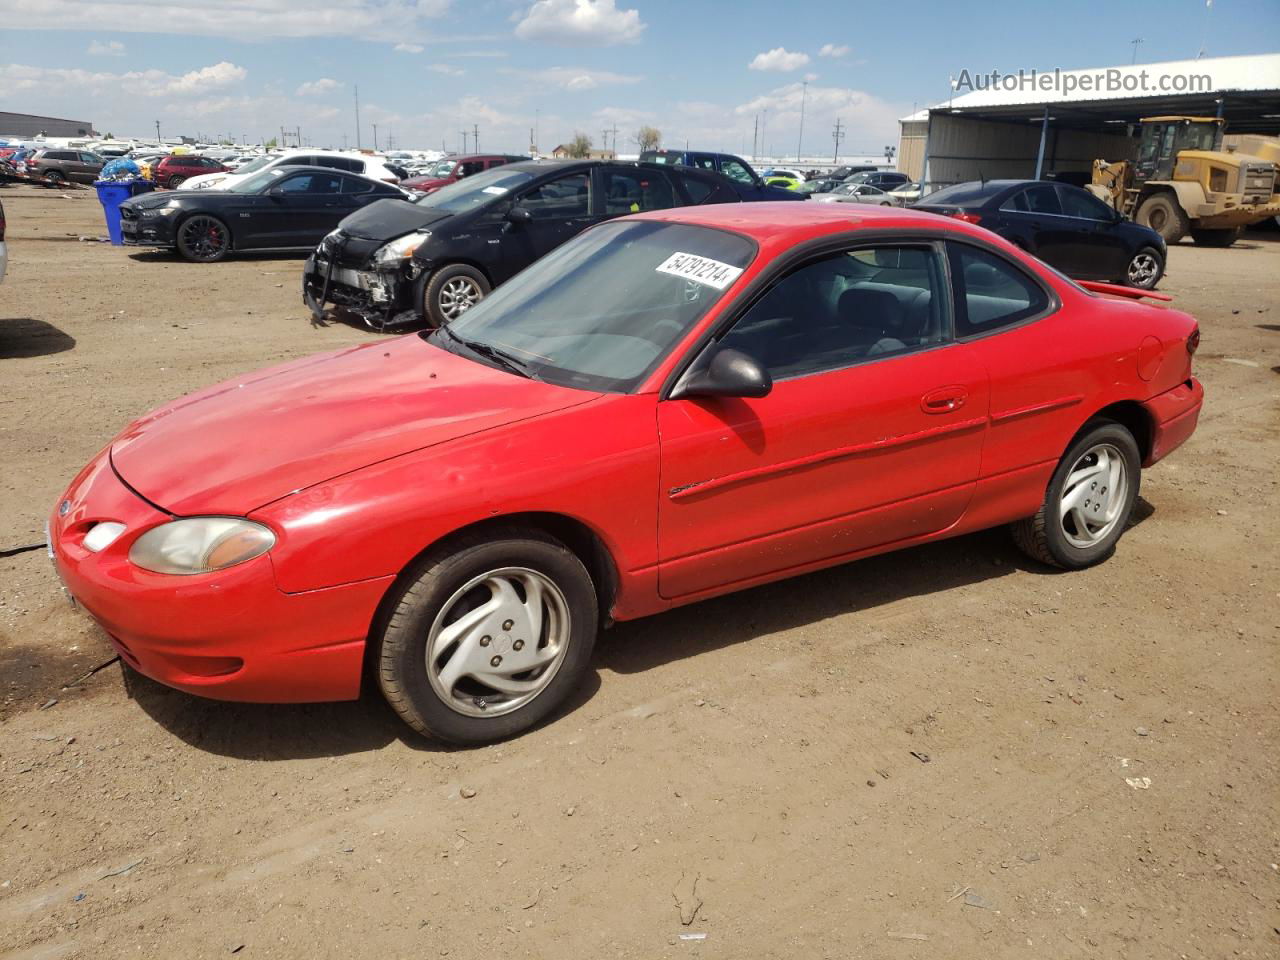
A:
(139, 231)
(228, 635)
(1174, 415)
(381, 297)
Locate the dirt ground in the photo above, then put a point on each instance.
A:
(943, 753)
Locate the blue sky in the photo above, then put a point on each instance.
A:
(699, 71)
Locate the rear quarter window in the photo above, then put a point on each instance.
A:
(990, 292)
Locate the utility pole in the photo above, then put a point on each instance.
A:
(375, 136)
(475, 137)
(158, 140)
(357, 94)
(838, 135)
(804, 90)
(464, 140)
(755, 138)
(1134, 42)
(614, 131)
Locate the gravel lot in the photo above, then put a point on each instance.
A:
(945, 752)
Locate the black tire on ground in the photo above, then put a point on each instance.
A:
(1043, 536)
(203, 239)
(447, 291)
(401, 660)
(56, 178)
(1216, 238)
(1163, 214)
(176, 181)
(1145, 269)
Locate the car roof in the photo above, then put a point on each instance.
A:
(785, 223)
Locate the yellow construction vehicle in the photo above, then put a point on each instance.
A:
(1184, 182)
(1263, 147)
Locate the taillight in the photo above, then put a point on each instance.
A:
(967, 217)
(1193, 341)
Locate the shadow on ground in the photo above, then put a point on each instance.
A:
(25, 337)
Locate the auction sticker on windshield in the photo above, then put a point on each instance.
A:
(704, 270)
(496, 191)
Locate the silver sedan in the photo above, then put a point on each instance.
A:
(857, 193)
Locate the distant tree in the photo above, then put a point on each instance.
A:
(580, 146)
(109, 136)
(270, 144)
(648, 138)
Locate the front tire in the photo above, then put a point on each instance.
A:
(1145, 269)
(489, 637)
(1163, 214)
(176, 181)
(203, 239)
(56, 179)
(1088, 502)
(451, 292)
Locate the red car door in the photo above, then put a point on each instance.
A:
(872, 433)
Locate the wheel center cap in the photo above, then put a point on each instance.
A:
(502, 643)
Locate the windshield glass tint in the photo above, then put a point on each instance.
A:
(473, 191)
(257, 182)
(602, 311)
(443, 169)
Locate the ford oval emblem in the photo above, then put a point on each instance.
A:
(64, 508)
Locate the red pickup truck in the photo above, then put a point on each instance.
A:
(451, 169)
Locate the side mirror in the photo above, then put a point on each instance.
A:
(519, 215)
(276, 191)
(724, 372)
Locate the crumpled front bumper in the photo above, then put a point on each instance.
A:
(381, 297)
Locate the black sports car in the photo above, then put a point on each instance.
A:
(1065, 226)
(397, 263)
(281, 208)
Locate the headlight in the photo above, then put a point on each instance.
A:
(401, 247)
(200, 545)
(167, 209)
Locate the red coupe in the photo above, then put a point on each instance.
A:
(668, 407)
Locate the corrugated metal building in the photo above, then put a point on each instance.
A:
(33, 125)
(1035, 124)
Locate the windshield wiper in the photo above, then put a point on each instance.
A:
(490, 352)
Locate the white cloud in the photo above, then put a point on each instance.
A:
(779, 59)
(316, 88)
(580, 23)
(112, 48)
(219, 75)
(833, 50)
(408, 48)
(390, 21)
(574, 79)
(446, 69)
(147, 83)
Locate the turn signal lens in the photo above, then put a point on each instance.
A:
(1193, 341)
(200, 545)
(102, 535)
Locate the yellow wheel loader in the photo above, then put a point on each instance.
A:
(1184, 182)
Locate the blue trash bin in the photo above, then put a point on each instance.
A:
(112, 193)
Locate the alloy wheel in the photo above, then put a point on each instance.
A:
(204, 237)
(457, 296)
(1143, 269)
(1093, 496)
(498, 642)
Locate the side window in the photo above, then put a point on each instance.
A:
(1083, 204)
(560, 199)
(633, 191)
(858, 305)
(703, 161)
(470, 167)
(1166, 145)
(89, 158)
(334, 163)
(734, 169)
(312, 183)
(357, 185)
(1043, 198)
(1016, 204)
(990, 292)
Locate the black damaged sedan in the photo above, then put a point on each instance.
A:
(398, 263)
(283, 208)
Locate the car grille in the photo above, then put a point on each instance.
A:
(1259, 182)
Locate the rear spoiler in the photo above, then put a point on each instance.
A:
(1133, 293)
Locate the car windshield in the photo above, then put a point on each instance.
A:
(603, 310)
(255, 165)
(476, 190)
(443, 169)
(258, 181)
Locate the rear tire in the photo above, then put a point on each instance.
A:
(176, 181)
(57, 179)
(1216, 238)
(472, 611)
(1145, 269)
(451, 291)
(1163, 214)
(1088, 502)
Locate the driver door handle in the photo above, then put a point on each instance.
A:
(944, 399)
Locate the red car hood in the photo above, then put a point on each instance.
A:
(238, 445)
(428, 183)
